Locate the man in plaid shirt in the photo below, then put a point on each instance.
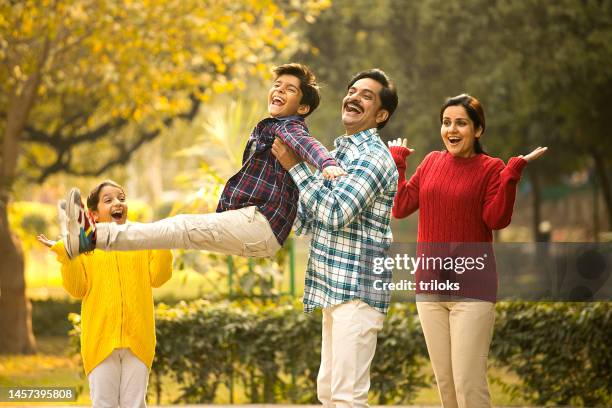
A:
(349, 222)
(259, 203)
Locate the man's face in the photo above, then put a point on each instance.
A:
(361, 107)
(284, 97)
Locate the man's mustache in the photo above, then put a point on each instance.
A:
(354, 103)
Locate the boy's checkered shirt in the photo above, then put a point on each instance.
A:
(263, 182)
(349, 222)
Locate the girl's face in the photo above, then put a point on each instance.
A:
(111, 206)
(458, 133)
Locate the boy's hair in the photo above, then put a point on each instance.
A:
(308, 83)
(388, 93)
(94, 195)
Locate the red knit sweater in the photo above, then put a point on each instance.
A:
(460, 200)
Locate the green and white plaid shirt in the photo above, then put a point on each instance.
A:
(349, 221)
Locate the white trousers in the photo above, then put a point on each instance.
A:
(349, 342)
(119, 381)
(243, 232)
(458, 335)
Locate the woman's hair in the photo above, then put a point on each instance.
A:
(474, 109)
(94, 195)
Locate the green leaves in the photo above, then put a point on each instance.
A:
(256, 344)
(140, 64)
(559, 350)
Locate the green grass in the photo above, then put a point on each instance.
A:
(54, 366)
(429, 396)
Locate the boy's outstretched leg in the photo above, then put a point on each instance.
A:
(243, 232)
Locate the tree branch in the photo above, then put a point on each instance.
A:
(63, 146)
(55, 139)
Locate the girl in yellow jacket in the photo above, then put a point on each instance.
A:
(117, 319)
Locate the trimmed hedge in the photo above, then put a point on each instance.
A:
(561, 351)
(50, 316)
(272, 351)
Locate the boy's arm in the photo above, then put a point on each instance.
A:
(74, 278)
(295, 135)
(160, 266)
(338, 207)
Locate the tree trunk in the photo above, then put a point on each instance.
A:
(15, 308)
(536, 205)
(604, 182)
(16, 335)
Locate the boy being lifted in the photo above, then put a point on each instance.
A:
(259, 203)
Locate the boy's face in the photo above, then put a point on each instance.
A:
(111, 206)
(284, 97)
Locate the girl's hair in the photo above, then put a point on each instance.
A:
(94, 195)
(474, 109)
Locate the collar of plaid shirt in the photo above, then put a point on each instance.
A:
(282, 118)
(357, 139)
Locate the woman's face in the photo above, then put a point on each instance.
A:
(111, 206)
(458, 133)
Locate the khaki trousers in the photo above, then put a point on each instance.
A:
(349, 342)
(458, 336)
(243, 232)
(120, 380)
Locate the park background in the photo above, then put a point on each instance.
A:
(161, 97)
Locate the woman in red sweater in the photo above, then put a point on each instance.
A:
(462, 194)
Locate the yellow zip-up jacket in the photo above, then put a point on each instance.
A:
(117, 300)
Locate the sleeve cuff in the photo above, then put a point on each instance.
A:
(60, 251)
(300, 173)
(399, 154)
(515, 167)
(329, 162)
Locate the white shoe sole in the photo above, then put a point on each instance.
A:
(62, 218)
(73, 206)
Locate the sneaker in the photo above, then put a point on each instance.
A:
(62, 218)
(81, 236)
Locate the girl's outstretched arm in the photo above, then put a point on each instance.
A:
(74, 278)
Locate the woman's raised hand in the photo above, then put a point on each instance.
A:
(536, 153)
(400, 142)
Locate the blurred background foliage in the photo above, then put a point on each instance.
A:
(161, 96)
(541, 70)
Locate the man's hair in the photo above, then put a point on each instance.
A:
(94, 195)
(308, 83)
(388, 93)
